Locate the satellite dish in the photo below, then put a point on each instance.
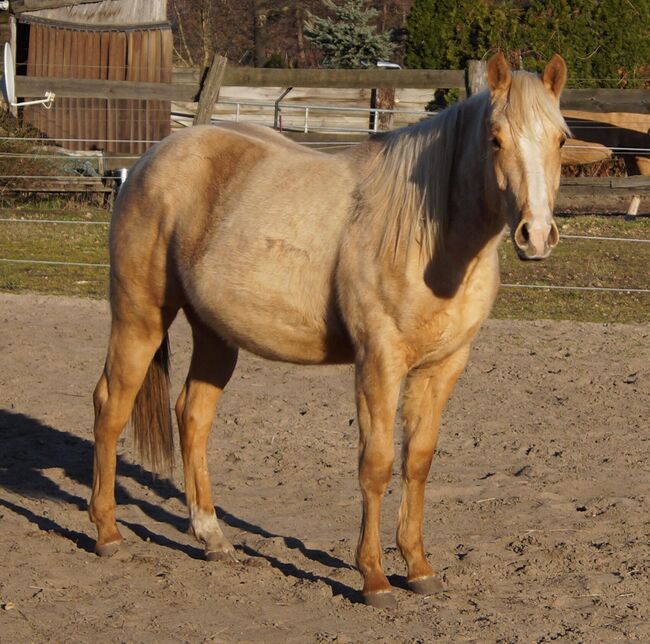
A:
(9, 84)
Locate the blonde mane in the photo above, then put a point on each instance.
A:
(407, 184)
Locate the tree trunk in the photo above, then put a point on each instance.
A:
(300, 34)
(260, 18)
(206, 33)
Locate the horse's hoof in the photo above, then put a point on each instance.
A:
(224, 556)
(426, 585)
(107, 549)
(384, 600)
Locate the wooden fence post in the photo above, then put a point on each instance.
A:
(382, 98)
(475, 77)
(209, 94)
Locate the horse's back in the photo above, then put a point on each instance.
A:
(244, 227)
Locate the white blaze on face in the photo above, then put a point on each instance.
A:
(539, 217)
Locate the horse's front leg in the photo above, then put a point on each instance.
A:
(426, 392)
(377, 391)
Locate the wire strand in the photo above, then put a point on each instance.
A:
(54, 221)
(53, 263)
(578, 288)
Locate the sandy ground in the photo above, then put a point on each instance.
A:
(537, 503)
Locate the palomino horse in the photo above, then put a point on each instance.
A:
(385, 256)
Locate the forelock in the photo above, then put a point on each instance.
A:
(527, 104)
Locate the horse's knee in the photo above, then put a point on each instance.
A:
(100, 395)
(179, 408)
(417, 464)
(375, 470)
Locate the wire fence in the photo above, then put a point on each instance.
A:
(557, 287)
(291, 119)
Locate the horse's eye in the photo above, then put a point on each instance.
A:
(496, 144)
(562, 141)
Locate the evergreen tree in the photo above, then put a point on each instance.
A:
(605, 43)
(349, 37)
(445, 35)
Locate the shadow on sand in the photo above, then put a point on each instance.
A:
(31, 448)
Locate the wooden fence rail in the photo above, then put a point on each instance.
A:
(187, 86)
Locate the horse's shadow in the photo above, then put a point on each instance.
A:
(30, 448)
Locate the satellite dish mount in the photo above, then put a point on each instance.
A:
(9, 84)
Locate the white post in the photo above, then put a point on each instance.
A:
(306, 119)
(633, 210)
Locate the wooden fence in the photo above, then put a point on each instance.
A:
(105, 56)
(187, 87)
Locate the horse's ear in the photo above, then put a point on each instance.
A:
(498, 73)
(554, 75)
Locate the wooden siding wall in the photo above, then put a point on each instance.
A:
(112, 125)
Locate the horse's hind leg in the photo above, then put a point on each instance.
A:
(134, 340)
(425, 394)
(212, 365)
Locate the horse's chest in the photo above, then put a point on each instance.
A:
(447, 324)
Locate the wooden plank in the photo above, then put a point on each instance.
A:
(352, 78)
(606, 100)
(19, 6)
(210, 90)
(166, 49)
(253, 77)
(95, 103)
(32, 62)
(102, 104)
(39, 70)
(112, 89)
(476, 79)
(111, 73)
(128, 126)
(64, 104)
(142, 76)
(134, 45)
(609, 183)
(116, 72)
(76, 113)
(626, 100)
(85, 69)
(57, 109)
(48, 120)
(154, 74)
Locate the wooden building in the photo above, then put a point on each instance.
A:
(113, 40)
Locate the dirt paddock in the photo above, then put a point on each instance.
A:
(536, 513)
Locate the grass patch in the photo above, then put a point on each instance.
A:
(55, 242)
(575, 262)
(581, 262)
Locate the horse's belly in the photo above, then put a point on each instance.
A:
(274, 329)
(278, 304)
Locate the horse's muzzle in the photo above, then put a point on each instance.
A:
(535, 242)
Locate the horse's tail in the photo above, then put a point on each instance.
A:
(151, 416)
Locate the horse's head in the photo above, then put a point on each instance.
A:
(526, 131)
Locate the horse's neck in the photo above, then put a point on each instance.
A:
(472, 208)
(473, 227)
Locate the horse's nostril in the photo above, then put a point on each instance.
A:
(553, 236)
(522, 235)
